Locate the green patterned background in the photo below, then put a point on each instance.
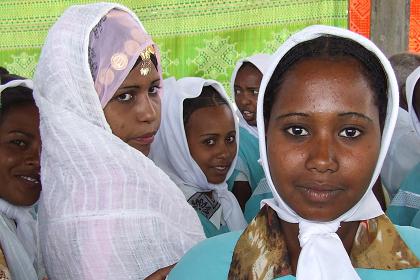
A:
(196, 37)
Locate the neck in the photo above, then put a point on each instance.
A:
(346, 232)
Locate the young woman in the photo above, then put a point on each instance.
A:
(247, 182)
(327, 108)
(197, 147)
(107, 212)
(20, 146)
(404, 208)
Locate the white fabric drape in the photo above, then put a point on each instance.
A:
(106, 211)
(261, 61)
(409, 91)
(171, 152)
(323, 255)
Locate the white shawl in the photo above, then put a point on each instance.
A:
(171, 152)
(323, 255)
(261, 61)
(106, 211)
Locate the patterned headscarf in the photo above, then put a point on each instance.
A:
(115, 44)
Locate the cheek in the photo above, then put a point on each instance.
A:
(116, 120)
(284, 163)
(254, 100)
(358, 165)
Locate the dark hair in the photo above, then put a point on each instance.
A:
(209, 97)
(13, 96)
(328, 46)
(248, 64)
(404, 64)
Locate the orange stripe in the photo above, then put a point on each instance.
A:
(359, 16)
(414, 33)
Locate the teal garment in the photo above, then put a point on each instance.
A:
(248, 154)
(210, 259)
(404, 208)
(209, 229)
(248, 157)
(253, 205)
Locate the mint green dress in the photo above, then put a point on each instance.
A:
(210, 259)
(248, 164)
(404, 208)
(210, 230)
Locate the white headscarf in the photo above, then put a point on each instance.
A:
(409, 91)
(19, 241)
(261, 61)
(106, 211)
(172, 154)
(323, 255)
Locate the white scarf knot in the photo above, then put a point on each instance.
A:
(321, 248)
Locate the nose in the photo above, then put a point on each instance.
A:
(33, 154)
(322, 155)
(146, 109)
(243, 99)
(224, 151)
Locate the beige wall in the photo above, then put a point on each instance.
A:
(390, 25)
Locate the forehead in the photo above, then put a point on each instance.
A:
(135, 77)
(211, 119)
(248, 69)
(24, 117)
(318, 84)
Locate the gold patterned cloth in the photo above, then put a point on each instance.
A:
(4, 270)
(261, 251)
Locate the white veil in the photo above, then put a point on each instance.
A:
(106, 211)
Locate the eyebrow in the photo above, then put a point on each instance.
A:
(215, 134)
(355, 114)
(21, 132)
(292, 115)
(137, 87)
(346, 114)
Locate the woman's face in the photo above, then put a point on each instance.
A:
(323, 137)
(134, 111)
(246, 87)
(20, 147)
(211, 137)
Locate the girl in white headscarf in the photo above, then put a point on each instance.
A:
(326, 112)
(197, 147)
(404, 208)
(404, 151)
(20, 145)
(106, 211)
(248, 182)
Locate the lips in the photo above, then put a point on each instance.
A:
(31, 180)
(145, 139)
(317, 192)
(221, 169)
(248, 115)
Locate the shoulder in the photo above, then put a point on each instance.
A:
(215, 252)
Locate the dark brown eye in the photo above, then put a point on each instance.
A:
(297, 131)
(350, 132)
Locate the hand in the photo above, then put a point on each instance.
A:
(161, 273)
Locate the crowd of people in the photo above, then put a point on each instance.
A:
(311, 171)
